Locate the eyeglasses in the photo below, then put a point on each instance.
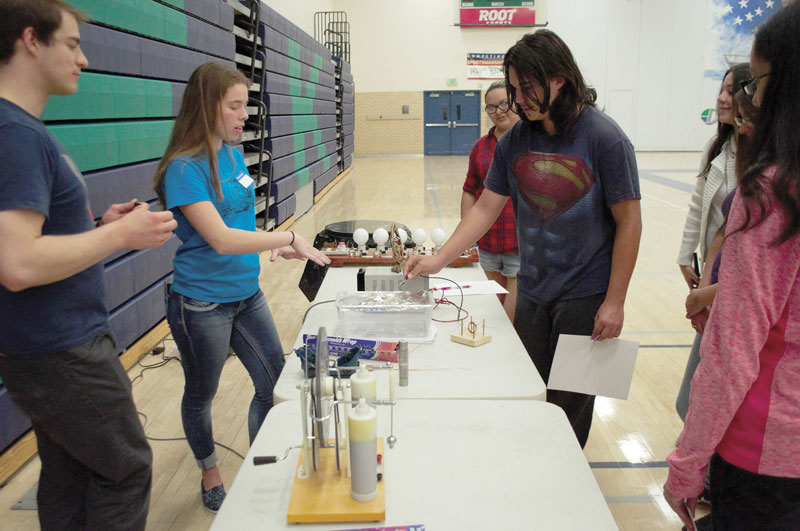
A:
(749, 85)
(502, 106)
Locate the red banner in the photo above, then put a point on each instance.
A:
(498, 16)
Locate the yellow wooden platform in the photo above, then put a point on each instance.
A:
(325, 495)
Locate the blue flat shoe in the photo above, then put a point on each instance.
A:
(213, 497)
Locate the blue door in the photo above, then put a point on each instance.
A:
(452, 121)
(466, 112)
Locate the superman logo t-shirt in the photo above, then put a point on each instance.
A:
(562, 190)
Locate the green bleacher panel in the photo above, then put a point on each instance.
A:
(139, 16)
(107, 97)
(95, 146)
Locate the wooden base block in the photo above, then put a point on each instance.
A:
(467, 339)
(324, 496)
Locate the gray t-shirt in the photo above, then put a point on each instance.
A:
(562, 191)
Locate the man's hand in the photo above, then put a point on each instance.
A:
(117, 210)
(419, 264)
(142, 229)
(608, 321)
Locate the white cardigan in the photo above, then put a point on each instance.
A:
(701, 226)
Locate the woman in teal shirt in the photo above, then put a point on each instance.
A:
(216, 302)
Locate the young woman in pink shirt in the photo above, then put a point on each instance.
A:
(744, 408)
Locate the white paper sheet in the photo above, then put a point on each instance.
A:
(603, 368)
(471, 287)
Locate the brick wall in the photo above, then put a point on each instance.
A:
(381, 128)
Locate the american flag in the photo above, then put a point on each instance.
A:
(745, 16)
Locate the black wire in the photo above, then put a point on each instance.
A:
(181, 438)
(315, 304)
(461, 304)
(156, 366)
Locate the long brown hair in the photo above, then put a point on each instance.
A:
(776, 139)
(194, 128)
(542, 55)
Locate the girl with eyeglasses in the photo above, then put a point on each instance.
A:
(497, 249)
(716, 179)
(744, 408)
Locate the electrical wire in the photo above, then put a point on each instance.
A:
(444, 300)
(181, 438)
(315, 304)
(146, 367)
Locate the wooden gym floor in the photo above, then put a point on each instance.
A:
(629, 440)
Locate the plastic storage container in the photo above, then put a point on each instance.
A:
(385, 314)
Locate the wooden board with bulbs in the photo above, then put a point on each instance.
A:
(341, 255)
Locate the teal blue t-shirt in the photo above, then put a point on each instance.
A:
(200, 272)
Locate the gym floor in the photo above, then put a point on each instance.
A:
(630, 439)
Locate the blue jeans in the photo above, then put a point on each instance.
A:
(204, 331)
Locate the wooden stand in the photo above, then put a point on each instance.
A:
(470, 336)
(324, 496)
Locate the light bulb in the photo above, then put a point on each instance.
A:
(438, 236)
(403, 236)
(381, 236)
(419, 236)
(360, 236)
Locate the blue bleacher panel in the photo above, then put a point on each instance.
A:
(136, 271)
(287, 125)
(280, 64)
(207, 38)
(278, 104)
(280, 212)
(117, 52)
(348, 161)
(13, 423)
(280, 84)
(279, 42)
(347, 151)
(214, 11)
(284, 187)
(348, 140)
(290, 163)
(120, 184)
(348, 129)
(348, 97)
(283, 145)
(131, 320)
(347, 77)
(348, 108)
(325, 179)
(348, 119)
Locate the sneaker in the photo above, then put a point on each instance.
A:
(213, 497)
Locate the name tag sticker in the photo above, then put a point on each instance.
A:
(245, 180)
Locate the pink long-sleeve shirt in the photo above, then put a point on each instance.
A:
(745, 398)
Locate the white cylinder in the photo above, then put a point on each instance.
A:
(362, 424)
(363, 383)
